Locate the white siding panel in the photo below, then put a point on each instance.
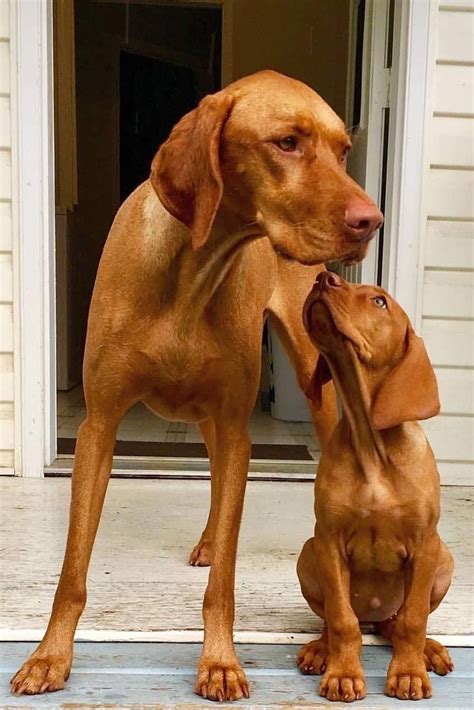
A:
(4, 67)
(456, 390)
(449, 342)
(448, 294)
(4, 19)
(6, 377)
(450, 4)
(454, 89)
(6, 277)
(6, 425)
(455, 33)
(5, 175)
(452, 141)
(456, 473)
(7, 460)
(451, 438)
(5, 132)
(450, 244)
(451, 194)
(6, 329)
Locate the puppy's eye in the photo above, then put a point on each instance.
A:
(380, 302)
(287, 144)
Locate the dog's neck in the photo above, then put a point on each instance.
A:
(194, 275)
(355, 397)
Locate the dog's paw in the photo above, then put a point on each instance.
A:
(220, 681)
(40, 675)
(312, 657)
(437, 658)
(343, 684)
(201, 554)
(406, 681)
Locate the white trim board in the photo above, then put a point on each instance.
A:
(195, 636)
(36, 261)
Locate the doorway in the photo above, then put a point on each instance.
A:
(137, 68)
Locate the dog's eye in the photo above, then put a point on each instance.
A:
(344, 155)
(380, 302)
(287, 144)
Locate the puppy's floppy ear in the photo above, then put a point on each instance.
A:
(185, 172)
(321, 376)
(410, 391)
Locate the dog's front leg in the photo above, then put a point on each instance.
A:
(220, 675)
(343, 678)
(49, 666)
(407, 678)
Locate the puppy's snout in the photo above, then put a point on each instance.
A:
(329, 279)
(363, 219)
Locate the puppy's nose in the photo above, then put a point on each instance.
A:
(329, 279)
(363, 218)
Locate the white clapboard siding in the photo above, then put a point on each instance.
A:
(4, 19)
(5, 67)
(6, 377)
(454, 89)
(456, 390)
(6, 277)
(451, 194)
(5, 131)
(447, 299)
(452, 141)
(6, 329)
(455, 33)
(449, 244)
(5, 226)
(451, 437)
(449, 342)
(6, 425)
(5, 175)
(448, 294)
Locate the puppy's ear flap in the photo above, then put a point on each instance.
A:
(185, 172)
(321, 376)
(410, 391)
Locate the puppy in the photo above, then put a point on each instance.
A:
(376, 555)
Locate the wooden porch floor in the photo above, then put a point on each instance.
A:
(152, 675)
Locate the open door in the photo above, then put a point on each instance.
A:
(342, 49)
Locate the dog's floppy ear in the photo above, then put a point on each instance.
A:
(410, 391)
(320, 376)
(185, 172)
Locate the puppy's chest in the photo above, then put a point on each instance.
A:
(376, 545)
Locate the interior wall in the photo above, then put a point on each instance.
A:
(102, 31)
(303, 38)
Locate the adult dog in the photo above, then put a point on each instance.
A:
(246, 197)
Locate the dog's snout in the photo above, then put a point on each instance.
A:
(363, 218)
(329, 279)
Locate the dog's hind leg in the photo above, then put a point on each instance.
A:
(202, 552)
(49, 666)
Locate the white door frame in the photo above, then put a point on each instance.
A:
(35, 357)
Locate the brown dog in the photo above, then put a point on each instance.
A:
(185, 283)
(376, 555)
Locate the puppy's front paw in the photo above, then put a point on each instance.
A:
(343, 683)
(437, 658)
(312, 657)
(407, 680)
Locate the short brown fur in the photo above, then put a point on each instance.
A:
(188, 275)
(376, 555)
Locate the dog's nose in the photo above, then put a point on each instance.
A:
(329, 279)
(363, 218)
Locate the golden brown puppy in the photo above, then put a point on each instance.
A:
(188, 275)
(376, 555)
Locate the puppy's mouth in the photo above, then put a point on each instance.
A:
(323, 322)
